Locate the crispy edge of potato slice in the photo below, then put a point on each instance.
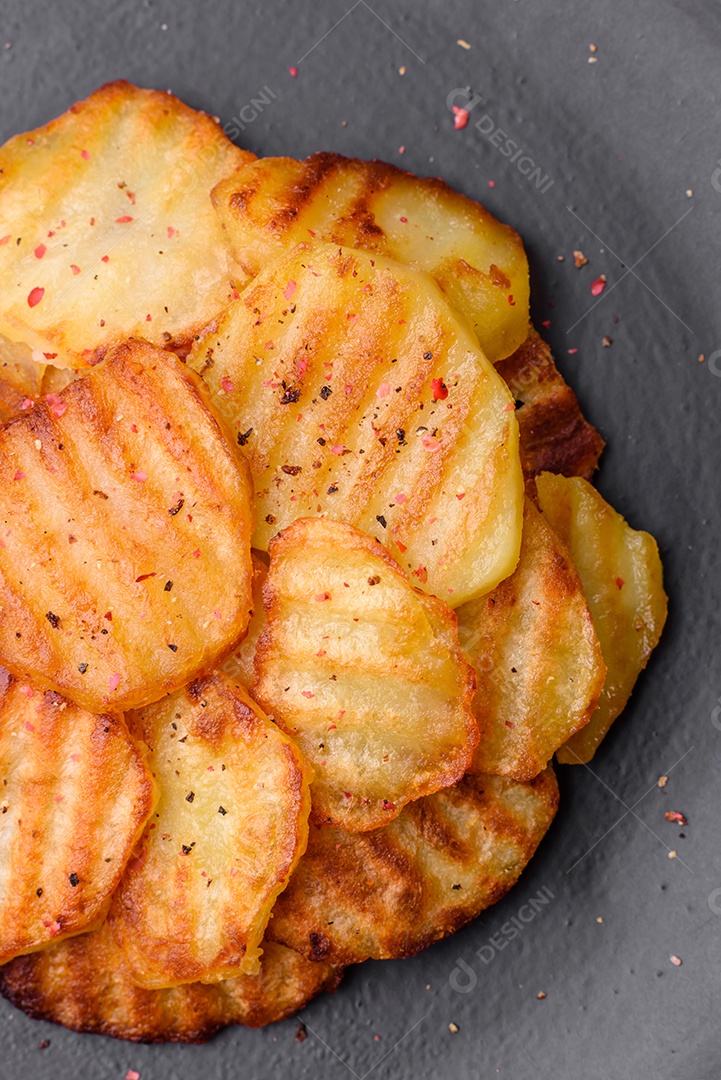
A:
(83, 985)
(171, 925)
(107, 239)
(538, 663)
(622, 577)
(272, 203)
(94, 561)
(60, 768)
(21, 378)
(417, 445)
(555, 435)
(334, 552)
(393, 892)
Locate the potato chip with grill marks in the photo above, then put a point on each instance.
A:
(82, 984)
(622, 577)
(107, 229)
(125, 523)
(364, 672)
(270, 205)
(230, 826)
(555, 435)
(394, 891)
(538, 664)
(75, 795)
(357, 394)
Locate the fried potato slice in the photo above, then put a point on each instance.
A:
(357, 394)
(240, 664)
(394, 891)
(555, 436)
(125, 519)
(364, 672)
(270, 205)
(622, 578)
(537, 659)
(230, 826)
(107, 228)
(74, 797)
(21, 378)
(82, 984)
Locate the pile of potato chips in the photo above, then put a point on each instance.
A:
(302, 580)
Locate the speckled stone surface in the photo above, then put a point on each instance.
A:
(618, 144)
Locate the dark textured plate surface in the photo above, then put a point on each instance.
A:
(622, 140)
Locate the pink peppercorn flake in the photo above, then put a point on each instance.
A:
(675, 960)
(429, 443)
(139, 476)
(293, 72)
(85, 155)
(227, 385)
(40, 251)
(29, 726)
(598, 286)
(676, 816)
(27, 404)
(439, 390)
(19, 475)
(35, 296)
(196, 553)
(460, 117)
(75, 269)
(171, 232)
(320, 597)
(123, 219)
(289, 290)
(57, 405)
(404, 220)
(572, 352)
(148, 318)
(307, 693)
(337, 449)
(114, 682)
(491, 183)
(131, 1074)
(401, 498)
(461, 495)
(105, 259)
(5, 240)
(384, 390)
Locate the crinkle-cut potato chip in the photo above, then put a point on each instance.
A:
(21, 378)
(622, 578)
(364, 672)
(356, 393)
(394, 891)
(555, 435)
(107, 229)
(230, 826)
(126, 518)
(240, 664)
(75, 795)
(270, 205)
(537, 659)
(82, 984)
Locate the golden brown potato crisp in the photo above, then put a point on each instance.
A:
(270, 205)
(74, 797)
(622, 578)
(230, 826)
(538, 664)
(364, 672)
(394, 891)
(82, 984)
(357, 394)
(125, 522)
(107, 229)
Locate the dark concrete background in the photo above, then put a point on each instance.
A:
(623, 140)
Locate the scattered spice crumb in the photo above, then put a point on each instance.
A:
(460, 117)
(607, 342)
(540, 995)
(672, 854)
(453, 1028)
(598, 285)
(579, 259)
(599, 918)
(463, 43)
(301, 1032)
(293, 71)
(675, 960)
(593, 48)
(689, 193)
(674, 815)
(402, 70)
(662, 781)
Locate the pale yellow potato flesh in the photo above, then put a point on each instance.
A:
(75, 794)
(230, 826)
(107, 229)
(125, 521)
(622, 578)
(364, 672)
(270, 205)
(357, 394)
(394, 891)
(537, 659)
(83, 984)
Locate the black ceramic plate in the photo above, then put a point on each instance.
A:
(627, 143)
